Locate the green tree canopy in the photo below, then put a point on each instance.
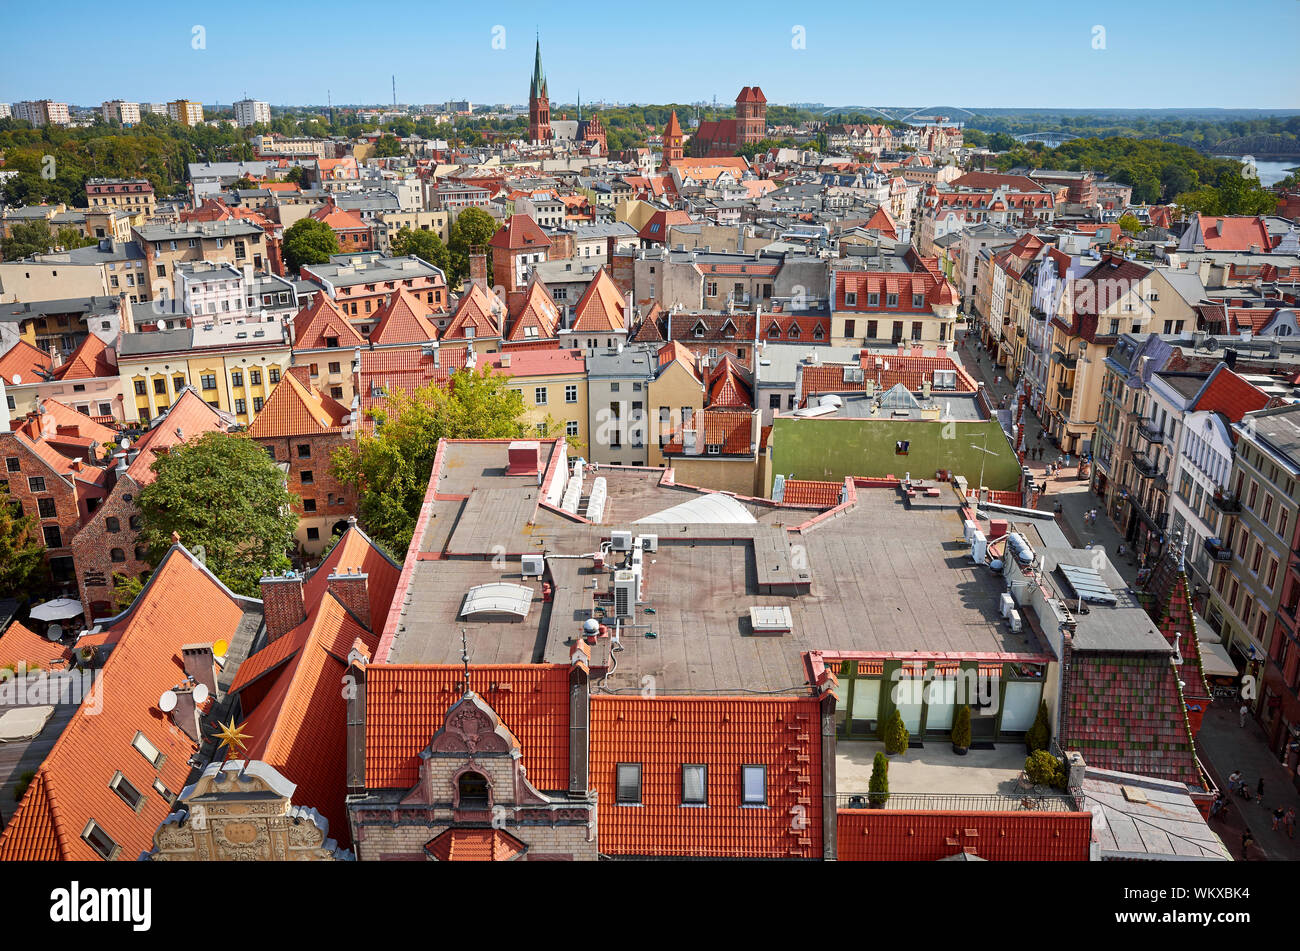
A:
(425, 245)
(27, 237)
(391, 467)
(296, 175)
(473, 228)
(1130, 223)
(227, 500)
(388, 146)
(309, 242)
(21, 549)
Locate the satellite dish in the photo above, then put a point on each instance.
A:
(18, 378)
(220, 647)
(1211, 343)
(200, 693)
(167, 702)
(54, 632)
(126, 443)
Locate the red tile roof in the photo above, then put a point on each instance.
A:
(519, 233)
(477, 310)
(322, 319)
(187, 418)
(88, 362)
(1234, 233)
(340, 219)
(1227, 393)
(883, 371)
(25, 362)
(21, 644)
(1125, 712)
(407, 705)
(724, 733)
(602, 308)
(403, 318)
(534, 310)
(537, 362)
(732, 430)
(728, 386)
(898, 835)
(387, 371)
(808, 492)
(475, 845)
(933, 288)
(297, 409)
(72, 784)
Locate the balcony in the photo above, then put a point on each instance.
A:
(1069, 362)
(1217, 550)
(1146, 468)
(1157, 520)
(1147, 433)
(1066, 393)
(1227, 504)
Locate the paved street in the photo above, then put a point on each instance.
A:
(1223, 745)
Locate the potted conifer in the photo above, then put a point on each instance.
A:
(896, 735)
(961, 731)
(878, 787)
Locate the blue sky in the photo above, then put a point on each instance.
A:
(1195, 53)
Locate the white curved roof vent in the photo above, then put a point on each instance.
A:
(499, 597)
(716, 508)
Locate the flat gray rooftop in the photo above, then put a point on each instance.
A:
(888, 574)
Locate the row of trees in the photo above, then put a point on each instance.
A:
(37, 237)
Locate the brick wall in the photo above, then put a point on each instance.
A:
(93, 549)
(324, 500)
(58, 491)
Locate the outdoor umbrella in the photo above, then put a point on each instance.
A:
(56, 610)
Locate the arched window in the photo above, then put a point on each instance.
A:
(112, 525)
(135, 523)
(472, 791)
(141, 553)
(117, 554)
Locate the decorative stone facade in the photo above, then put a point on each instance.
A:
(243, 812)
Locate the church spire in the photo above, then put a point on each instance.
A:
(538, 88)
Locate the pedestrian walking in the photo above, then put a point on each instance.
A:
(1234, 780)
(1247, 840)
(1278, 815)
(1259, 790)
(1219, 804)
(1241, 717)
(1289, 820)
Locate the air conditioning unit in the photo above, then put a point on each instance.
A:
(1006, 605)
(649, 542)
(1016, 623)
(624, 594)
(620, 541)
(533, 566)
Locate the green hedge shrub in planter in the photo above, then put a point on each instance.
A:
(1039, 736)
(961, 731)
(1044, 769)
(878, 788)
(896, 735)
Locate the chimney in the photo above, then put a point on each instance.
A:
(200, 666)
(282, 604)
(352, 589)
(478, 269)
(1230, 358)
(524, 458)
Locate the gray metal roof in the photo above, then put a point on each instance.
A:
(158, 341)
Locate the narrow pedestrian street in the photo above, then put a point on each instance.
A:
(1223, 745)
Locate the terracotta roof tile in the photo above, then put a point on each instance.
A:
(24, 361)
(475, 845)
(403, 318)
(477, 311)
(897, 835)
(321, 320)
(188, 417)
(89, 361)
(297, 409)
(808, 492)
(519, 233)
(72, 785)
(724, 733)
(1227, 393)
(602, 308)
(407, 705)
(535, 310)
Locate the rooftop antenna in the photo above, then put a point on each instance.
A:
(464, 659)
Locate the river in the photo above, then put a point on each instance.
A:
(1270, 173)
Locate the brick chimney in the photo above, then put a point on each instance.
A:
(478, 268)
(352, 588)
(282, 604)
(200, 666)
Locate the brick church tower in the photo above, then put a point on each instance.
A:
(672, 148)
(539, 106)
(751, 115)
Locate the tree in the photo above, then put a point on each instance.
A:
(21, 550)
(391, 467)
(296, 175)
(1130, 223)
(1039, 736)
(896, 735)
(425, 245)
(243, 184)
(226, 499)
(878, 786)
(388, 146)
(1044, 769)
(309, 242)
(961, 728)
(471, 231)
(125, 590)
(27, 238)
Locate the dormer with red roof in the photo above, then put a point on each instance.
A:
(600, 316)
(477, 320)
(403, 320)
(534, 319)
